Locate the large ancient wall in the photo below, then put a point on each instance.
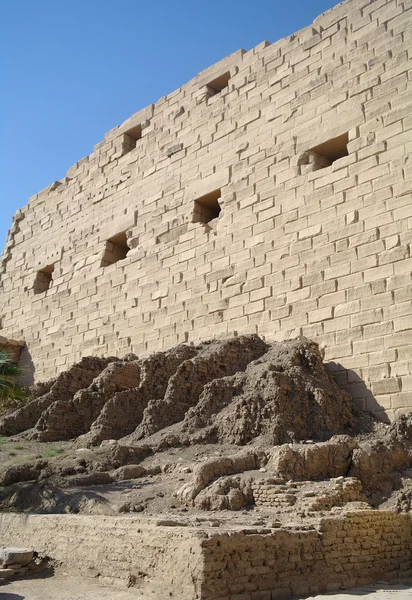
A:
(214, 564)
(304, 147)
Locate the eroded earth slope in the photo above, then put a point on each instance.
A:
(233, 425)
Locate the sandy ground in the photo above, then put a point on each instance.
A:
(69, 587)
(373, 592)
(62, 587)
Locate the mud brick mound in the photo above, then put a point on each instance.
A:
(232, 391)
(225, 425)
(60, 389)
(286, 395)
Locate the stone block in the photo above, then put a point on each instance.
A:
(10, 556)
(7, 573)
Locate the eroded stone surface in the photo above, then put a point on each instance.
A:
(11, 556)
(277, 401)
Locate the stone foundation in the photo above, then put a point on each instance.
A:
(121, 549)
(345, 550)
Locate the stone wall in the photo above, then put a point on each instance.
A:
(270, 194)
(359, 549)
(120, 549)
(343, 551)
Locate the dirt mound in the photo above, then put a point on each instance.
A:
(284, 396)
(60, 389)
(233, 391)
(213, 361)
(236, 425)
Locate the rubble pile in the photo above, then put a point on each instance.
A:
(227, 425)
(19, 562)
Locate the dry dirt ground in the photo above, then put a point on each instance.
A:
(68, 587)
(63, 587)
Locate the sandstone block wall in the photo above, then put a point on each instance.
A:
(270, 194)
(344, 551)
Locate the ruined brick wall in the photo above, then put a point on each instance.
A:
(125, 550)
(358, 549)
(349, 550)
(270, 194)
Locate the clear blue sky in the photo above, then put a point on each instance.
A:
(72, 70)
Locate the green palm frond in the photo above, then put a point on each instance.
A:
(8, 374)
(9, 370)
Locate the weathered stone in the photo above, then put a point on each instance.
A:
(267, 195)
(10, 556)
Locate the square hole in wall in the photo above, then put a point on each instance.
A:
(43, 279)
(116, 249)
(207, 208)
(130, 138)
(334, 148)
(218, 84)
(325, 154)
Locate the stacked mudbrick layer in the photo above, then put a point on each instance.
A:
(303, 495)
(346, 550)
(356, 550)
(270, 194)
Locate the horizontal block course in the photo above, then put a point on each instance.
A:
(303, 244)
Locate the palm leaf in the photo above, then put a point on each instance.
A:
(8, 373)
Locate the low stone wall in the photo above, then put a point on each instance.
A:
(121, 548)
(347, 550)
(357, 549)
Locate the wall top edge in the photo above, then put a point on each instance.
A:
(230, 62)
